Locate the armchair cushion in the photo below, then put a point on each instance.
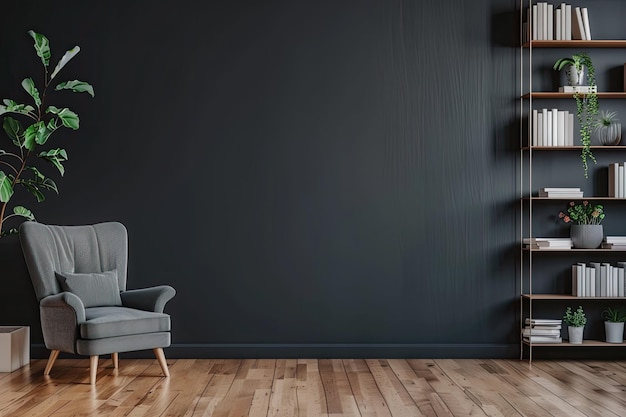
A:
(102, 322)
(94, 289)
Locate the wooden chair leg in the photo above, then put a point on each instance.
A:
(53, 357)
(93, 369)
(161, 358)
(115, 359)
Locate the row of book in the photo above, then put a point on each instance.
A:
(544, 21)
(561, 192)
(542, 330)
(552, 127)
(597, 279)
(614, 242)
(548, 243)
(617, 180)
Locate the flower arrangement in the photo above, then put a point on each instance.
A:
(583, 213)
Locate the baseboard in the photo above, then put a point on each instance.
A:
(355, 351)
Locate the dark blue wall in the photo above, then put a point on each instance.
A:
(314, 177)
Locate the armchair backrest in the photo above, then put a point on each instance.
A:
(77, 249)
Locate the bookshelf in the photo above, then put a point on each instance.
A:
(539, 166)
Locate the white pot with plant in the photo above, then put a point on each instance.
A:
(614, 325)
(607, 129)
(586, 102)
(575, 321)
(586, 230)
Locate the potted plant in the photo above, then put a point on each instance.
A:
(614, 324)
(18, 168)
(575, 322)
(586, 231)
(586, 102)
(607, 130)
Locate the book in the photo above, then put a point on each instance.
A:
(570, 129)
(558, 30)
(585, 15)
(540, 141)
(550, 19)
(543, 322)
(541, 332)
(613, 190)
(578, 30)
(568, 22)
(578, 89)
(535, 138)
(568, 189)
(560, 130)
(543, 339)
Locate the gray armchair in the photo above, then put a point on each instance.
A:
(79, 277)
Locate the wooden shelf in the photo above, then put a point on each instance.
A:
(600, 43)
(556, 94)
(574, 250)
(573, 148)
(586, 343)
(565, 297)
(572, 198)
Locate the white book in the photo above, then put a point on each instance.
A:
(621, 284)
(548, 189)
(544, 7)
(540, 21)
(534, 23)
(543, 339)
(578, 30)
(543, 322)
(578, 89)
(555, 127)
(548, 129)
(585, 14)
(570, 129)
(620, 180)
(575, 278)
(597, 266)
(558, 35)
(566, 128)
(580, 279)
(560, 128)
(568, 22)
(535, 141)
(551, 22)
(544, 127)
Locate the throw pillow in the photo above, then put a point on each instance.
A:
(94, 289)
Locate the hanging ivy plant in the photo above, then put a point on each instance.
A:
(586, 104)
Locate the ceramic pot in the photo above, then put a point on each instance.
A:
(575, 77)
(614, 332)
(587, 236)
(575, 334)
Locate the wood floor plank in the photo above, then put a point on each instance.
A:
(318, 388)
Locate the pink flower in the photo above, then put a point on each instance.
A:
(567, 219)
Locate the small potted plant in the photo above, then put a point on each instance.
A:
(607, 130)
(586, 231)
(614, 324)
(586, 102)
(575, 321)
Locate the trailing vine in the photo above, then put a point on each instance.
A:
(586, 109)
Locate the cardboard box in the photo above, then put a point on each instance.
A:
(14, 347)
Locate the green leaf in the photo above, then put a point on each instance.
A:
(29, 86)
(13, 107)
(14, 129)
(42, 46)
(66, 58)
(76, 86)
(24, 212)
(68, 117)
(6, 189)
(36, 133)
(56, 157)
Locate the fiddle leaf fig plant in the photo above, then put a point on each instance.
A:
(18, 168)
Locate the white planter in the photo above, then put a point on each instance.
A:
(614, 332)
(575, 334)
(14, 347)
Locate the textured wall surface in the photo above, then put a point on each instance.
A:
(314, 177)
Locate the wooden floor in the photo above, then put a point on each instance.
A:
(324, 387)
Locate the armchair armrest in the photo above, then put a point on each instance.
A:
(148, 299)
(60, 316)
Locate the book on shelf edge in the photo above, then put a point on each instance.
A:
(543, 339)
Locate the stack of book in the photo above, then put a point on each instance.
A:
(597, 279)
(560, 192)
(614, 242)
(542, 331)
(548, 243)
(552, 127)
(617, 180)
(546, 22)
